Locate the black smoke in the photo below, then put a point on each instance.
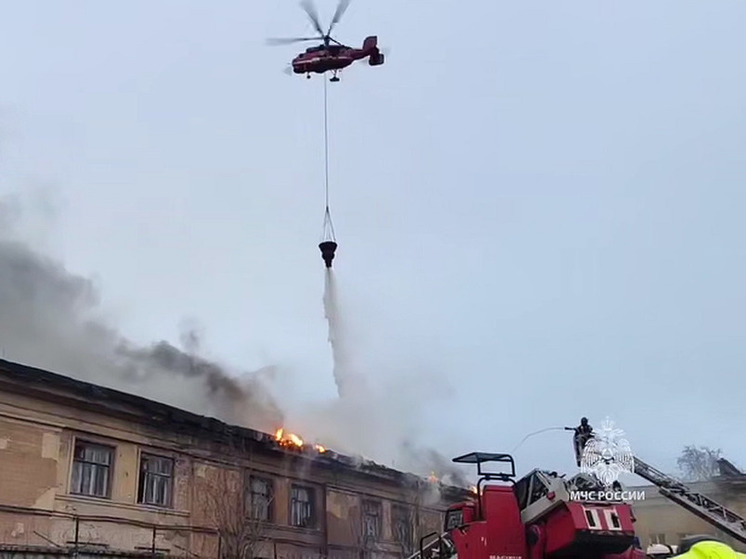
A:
(51, 318)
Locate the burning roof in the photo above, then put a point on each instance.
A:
(291, 440)
(92, 397)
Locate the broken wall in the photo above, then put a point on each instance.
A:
(29, 455)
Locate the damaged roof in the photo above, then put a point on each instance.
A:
(728, 470)
(93, 397)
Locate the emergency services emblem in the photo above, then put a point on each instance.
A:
(607, 454)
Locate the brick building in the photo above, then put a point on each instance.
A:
(87, 470)
(661, 521)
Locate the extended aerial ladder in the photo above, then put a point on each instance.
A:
(698, 504)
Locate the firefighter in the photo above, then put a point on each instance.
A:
(584, 430)
(660, 551)
(706, 547)
(583, 434)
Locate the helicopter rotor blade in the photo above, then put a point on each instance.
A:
(289, 41)
(313, 15)
(338, 13)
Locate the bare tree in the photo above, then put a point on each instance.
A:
(699, 463)
(406, 528)
(366, 527)
(357, 531)
(412, 522)
(242, 522)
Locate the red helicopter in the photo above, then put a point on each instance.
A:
(328, 57)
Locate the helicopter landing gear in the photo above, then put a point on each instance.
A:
(308, 76)
(334, 77)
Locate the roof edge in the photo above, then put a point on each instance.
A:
(160, 415)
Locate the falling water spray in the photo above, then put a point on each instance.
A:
(340, 352)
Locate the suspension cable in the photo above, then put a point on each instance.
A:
(326, 143)
(328, 227)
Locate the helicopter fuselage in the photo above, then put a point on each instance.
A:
(325, 58)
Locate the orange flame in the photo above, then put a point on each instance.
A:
(473, 489)
(291, 440)
(433, 478)
(288, 439)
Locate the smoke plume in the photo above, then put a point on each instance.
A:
(50, 318)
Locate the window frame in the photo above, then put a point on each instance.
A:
(87, 442)
(458, 514)
(312, 520)
(143, 475)
(402, 514)
(368, 504)
(249, 494)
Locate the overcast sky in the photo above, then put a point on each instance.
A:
(540, 200)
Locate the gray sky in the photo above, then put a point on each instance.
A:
(539, 201)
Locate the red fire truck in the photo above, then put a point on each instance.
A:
(546, 516)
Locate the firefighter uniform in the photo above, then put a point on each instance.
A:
(709, 549)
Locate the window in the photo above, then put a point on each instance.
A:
(521, 492)
(260, 498)
(372, 513)
(454, 519)
(92, 470)
(302, 507)
(156, 480)
(402, 523)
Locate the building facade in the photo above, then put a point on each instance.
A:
(86, 470)
(661, 521)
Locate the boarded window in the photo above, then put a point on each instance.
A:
(92, 465)
(156, 480)
(302, 507)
